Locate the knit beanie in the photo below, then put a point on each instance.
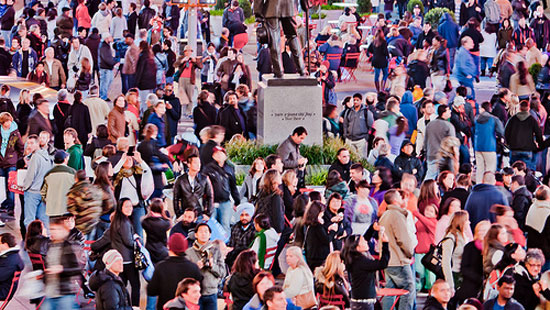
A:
(110, 258)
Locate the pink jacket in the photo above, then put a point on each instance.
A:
(425, 232)
(83, 17)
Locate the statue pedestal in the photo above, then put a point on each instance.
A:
(284, 104)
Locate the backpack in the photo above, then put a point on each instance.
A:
(492, 12)
(490, 290)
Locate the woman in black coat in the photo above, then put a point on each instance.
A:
(36, 241)
(318, 239)
(24, 109)
(122, 239)
(95, 146)
(379, 51)
(527, 277)
(157, 161)
(204, 114)
(240, 283)
(79, 118)
(270, 201)
(471, 266)
(146, 70)
(156, 224)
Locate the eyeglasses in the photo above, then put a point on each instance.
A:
(168, 90)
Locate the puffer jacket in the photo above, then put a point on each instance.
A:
(200, 196)
(122, 240)
(110, 291)
(85, 201)
(10, 262)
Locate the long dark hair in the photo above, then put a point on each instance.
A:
(245, 264)
(349, 250)
(34, 229)
(379, 38)
(119, 218)
(522, 72)
(333, 178)
(441, 41)
(402, 125)
(312, 213)
(102, 179)
(300, 204)
(385, 174)
(507, 259)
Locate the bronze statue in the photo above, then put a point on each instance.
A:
(273, 13)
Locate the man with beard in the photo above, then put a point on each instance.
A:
(186, 224)
(242, 233)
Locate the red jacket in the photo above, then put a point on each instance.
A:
(425, 232)
(83, 17)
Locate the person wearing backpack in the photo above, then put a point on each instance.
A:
(357, 123)
(492, 12)
(452, 248)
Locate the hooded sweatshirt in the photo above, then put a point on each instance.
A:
(408, 110)
(357, 123)
(520, 130)
(102, 21)
(486, 129)
(39, 165)
(449, 30)
(482, 197)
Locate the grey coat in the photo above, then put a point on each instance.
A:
(289, 152)
(436, 131)
(358, 123)
(39, 166)
(213, 275)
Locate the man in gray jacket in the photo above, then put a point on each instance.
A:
(289, 150)
(436, 131)
(402, 241)
(357, 123)
(40, 163)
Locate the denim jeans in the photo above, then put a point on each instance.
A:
(64, 302)
(209, 302)
(137, 214)
(400, 277)
(100, 228)
(35, 208)
(452, 52)
(526, 157)
(223, 214)
(432, 171)
(128, 81)
(377, 74)
(105, 80)
(469, 83)
(10, 196)
(486, 62)
(151, 302)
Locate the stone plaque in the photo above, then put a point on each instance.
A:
(284, 104)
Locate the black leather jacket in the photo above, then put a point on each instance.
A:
(200, 196)
(223, 182)
(440, 61)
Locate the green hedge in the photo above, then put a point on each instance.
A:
(434, 15)
(330, 7)
(534, 70)
(413, 3)
(216, 12)
(365, 6)
(247, 8)
(244, 153)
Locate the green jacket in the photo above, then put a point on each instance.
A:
(76, 161)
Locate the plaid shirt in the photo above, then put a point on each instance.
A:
(241, 238)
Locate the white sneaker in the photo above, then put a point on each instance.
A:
(2, 224)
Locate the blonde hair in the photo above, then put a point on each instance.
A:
(288, 176)
(334, 266)
(296, 251)
(479, 226)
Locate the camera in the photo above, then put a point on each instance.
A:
(206, 254)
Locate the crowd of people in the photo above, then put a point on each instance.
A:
(449, 196)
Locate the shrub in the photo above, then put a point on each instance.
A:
(434, 15)
(413, 3)
(239, 177)
(317, 176)
(534, 70)
(330, 7)
(216, 12)
(247, 8)
(365, 6)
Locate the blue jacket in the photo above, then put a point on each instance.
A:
(10, 262)
(416, 31)
(159, 122)
(331, 49)
(449, 30)
(464, 65)
(409, 111)
(17, 61)
(482, 197)
(486, 129)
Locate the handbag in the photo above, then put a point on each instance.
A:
(448, 86)
(12, 183)
(306, 301)
(432, 259)
(332, 98)
(140, 260)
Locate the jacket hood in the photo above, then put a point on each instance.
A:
(12, 128)
(43, 153)
(445, 17)
(484, 117)
(99, 278)
(522, 116)
(407, 98)
(336, 43)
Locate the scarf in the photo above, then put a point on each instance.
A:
(262, 247)
(537, 215)
(126, 173)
